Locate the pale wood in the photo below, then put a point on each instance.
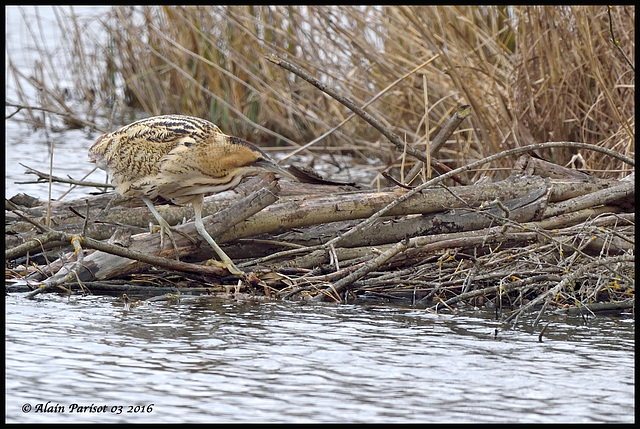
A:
(306, 210)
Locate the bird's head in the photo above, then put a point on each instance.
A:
(254, 156)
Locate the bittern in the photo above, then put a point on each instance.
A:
(179, 158)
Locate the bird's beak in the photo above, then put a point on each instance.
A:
(275, 168)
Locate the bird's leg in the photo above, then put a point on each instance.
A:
(165, 228)
(226, 261)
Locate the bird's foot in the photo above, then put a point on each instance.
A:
(170, 229)
(228, 265)
(165, 229)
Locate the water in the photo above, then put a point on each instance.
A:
(33, 37)
(227, 361)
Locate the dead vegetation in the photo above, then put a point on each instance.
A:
(529, 74)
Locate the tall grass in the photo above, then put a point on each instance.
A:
(530, 73)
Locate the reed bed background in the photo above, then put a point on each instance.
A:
(530, 73)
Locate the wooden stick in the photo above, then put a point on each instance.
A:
(394, 138)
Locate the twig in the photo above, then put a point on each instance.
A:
(544, 329)
(593, 199)
(394, 138)
(67, 115)
(599, 306)
(505, 288)
(440, 139)
(401, 199)
(516, 151)
(378, 214)
(616, 42)
(126, 253)
(570, 278)
(381, 259)
(48, 177)
(65, 274)
(378, 95)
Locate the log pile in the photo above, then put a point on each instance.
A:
(546, 237)
(533, 239)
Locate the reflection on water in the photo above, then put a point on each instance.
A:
(227, 361)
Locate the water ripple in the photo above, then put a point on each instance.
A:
(222, 361)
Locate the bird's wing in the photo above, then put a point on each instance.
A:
(196, 167)
(135, 162)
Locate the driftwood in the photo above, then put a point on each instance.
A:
(526, 242)
(547, 237)
(305, 211)
(288, 236)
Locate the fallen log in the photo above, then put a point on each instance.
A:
(330, 211)
(433, 246)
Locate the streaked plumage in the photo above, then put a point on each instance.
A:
(179, 158)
